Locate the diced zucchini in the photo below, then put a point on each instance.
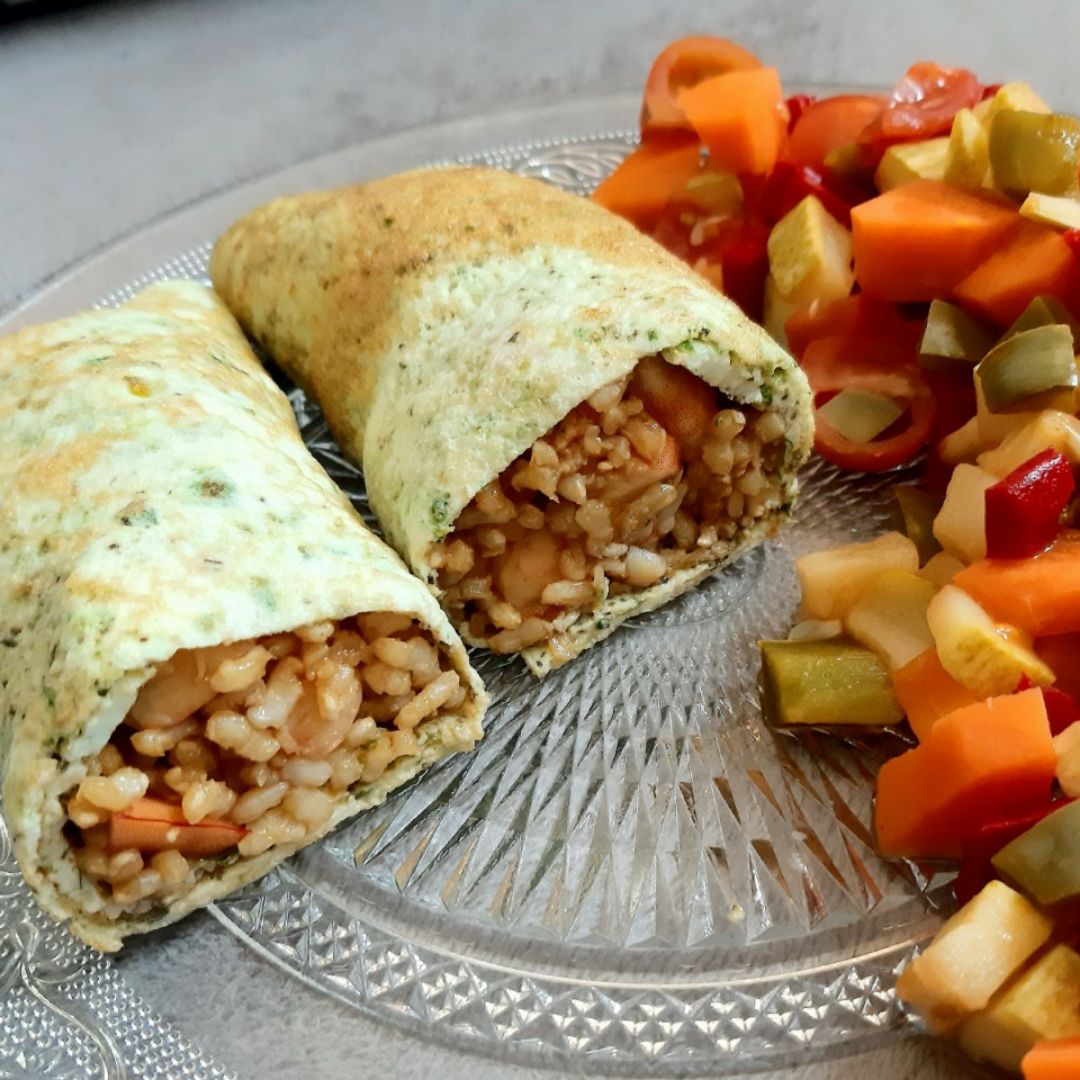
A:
(833, 580)
(1050, 430)
(993, 427)
(1045, 861)
(972, 956)
(860, 415)
(978, 653)
(1057, 211)
(907, 162)
(810, 255)
(1043, 311)
(941, 569)
(919, 508)
(952, 338)
(1022, 369)
(776, 310)
(821, 683)
(960, 527)
(1032, 151)
(1067, 748)
(1042, 1003)
(1013, 96)
(967, 161)
(890, 617)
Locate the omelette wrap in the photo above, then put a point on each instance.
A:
(206, 659)
(560, 424)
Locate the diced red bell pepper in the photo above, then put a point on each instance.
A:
(1061, 708)
(788, 184)
(796, 105)
(1023, 511)
(853, 316)
(976, 869)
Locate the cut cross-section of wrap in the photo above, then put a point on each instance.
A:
(206, 659)
(560, 424)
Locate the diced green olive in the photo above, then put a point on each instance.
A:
(821, 683)
(860, 415)
(1043, 311)
(919, 509)
(1045, 861)
(1031, 363)
(1035, 152)
(952, 338)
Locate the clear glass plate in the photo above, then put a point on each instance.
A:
(632, 873)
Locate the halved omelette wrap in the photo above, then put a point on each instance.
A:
(560, 424)
(206, 659)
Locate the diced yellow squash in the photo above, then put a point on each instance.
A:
(962, 445)
(967, 160)
(1043, 1003)
(810, 255)
(1050, 430)
(986, 657)
(941, 569)
(907, 162)
(1057, 211)
(960, 526)
(972, 956)
(1067, 748)
(833, 580)
(890, 617)
(776, 311)
(1018, 96)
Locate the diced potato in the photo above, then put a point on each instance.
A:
(1050, 430)
(960, 526)
(962, 445)
(810, 255)
(941, 569)
(890, 617)
(967, 161)
(776, 311)
(978, 653)
(973, 956)
(833, 580)
(907, 162)
(1043, 1003)
(1018, 96)
(1057, 211)
(1067, 748)
(816, 630)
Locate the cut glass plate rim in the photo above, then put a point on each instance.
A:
(128, 263)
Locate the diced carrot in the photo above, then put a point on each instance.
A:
(1052, 1059)
(1060, 652)
(648, 180)
(683, 404)
(1036, 262)
(927, 692)
(920, 240)
(739, 117)
(979, 764)
(152, 825)
(1040, 595)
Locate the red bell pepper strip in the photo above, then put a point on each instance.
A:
(796, 105)
(881, 366)
(976, 870)
(1023, 511)
(1061, 708)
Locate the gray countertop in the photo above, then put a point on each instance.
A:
(115, 113)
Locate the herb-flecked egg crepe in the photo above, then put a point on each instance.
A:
(560, 424)
(206, 659)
